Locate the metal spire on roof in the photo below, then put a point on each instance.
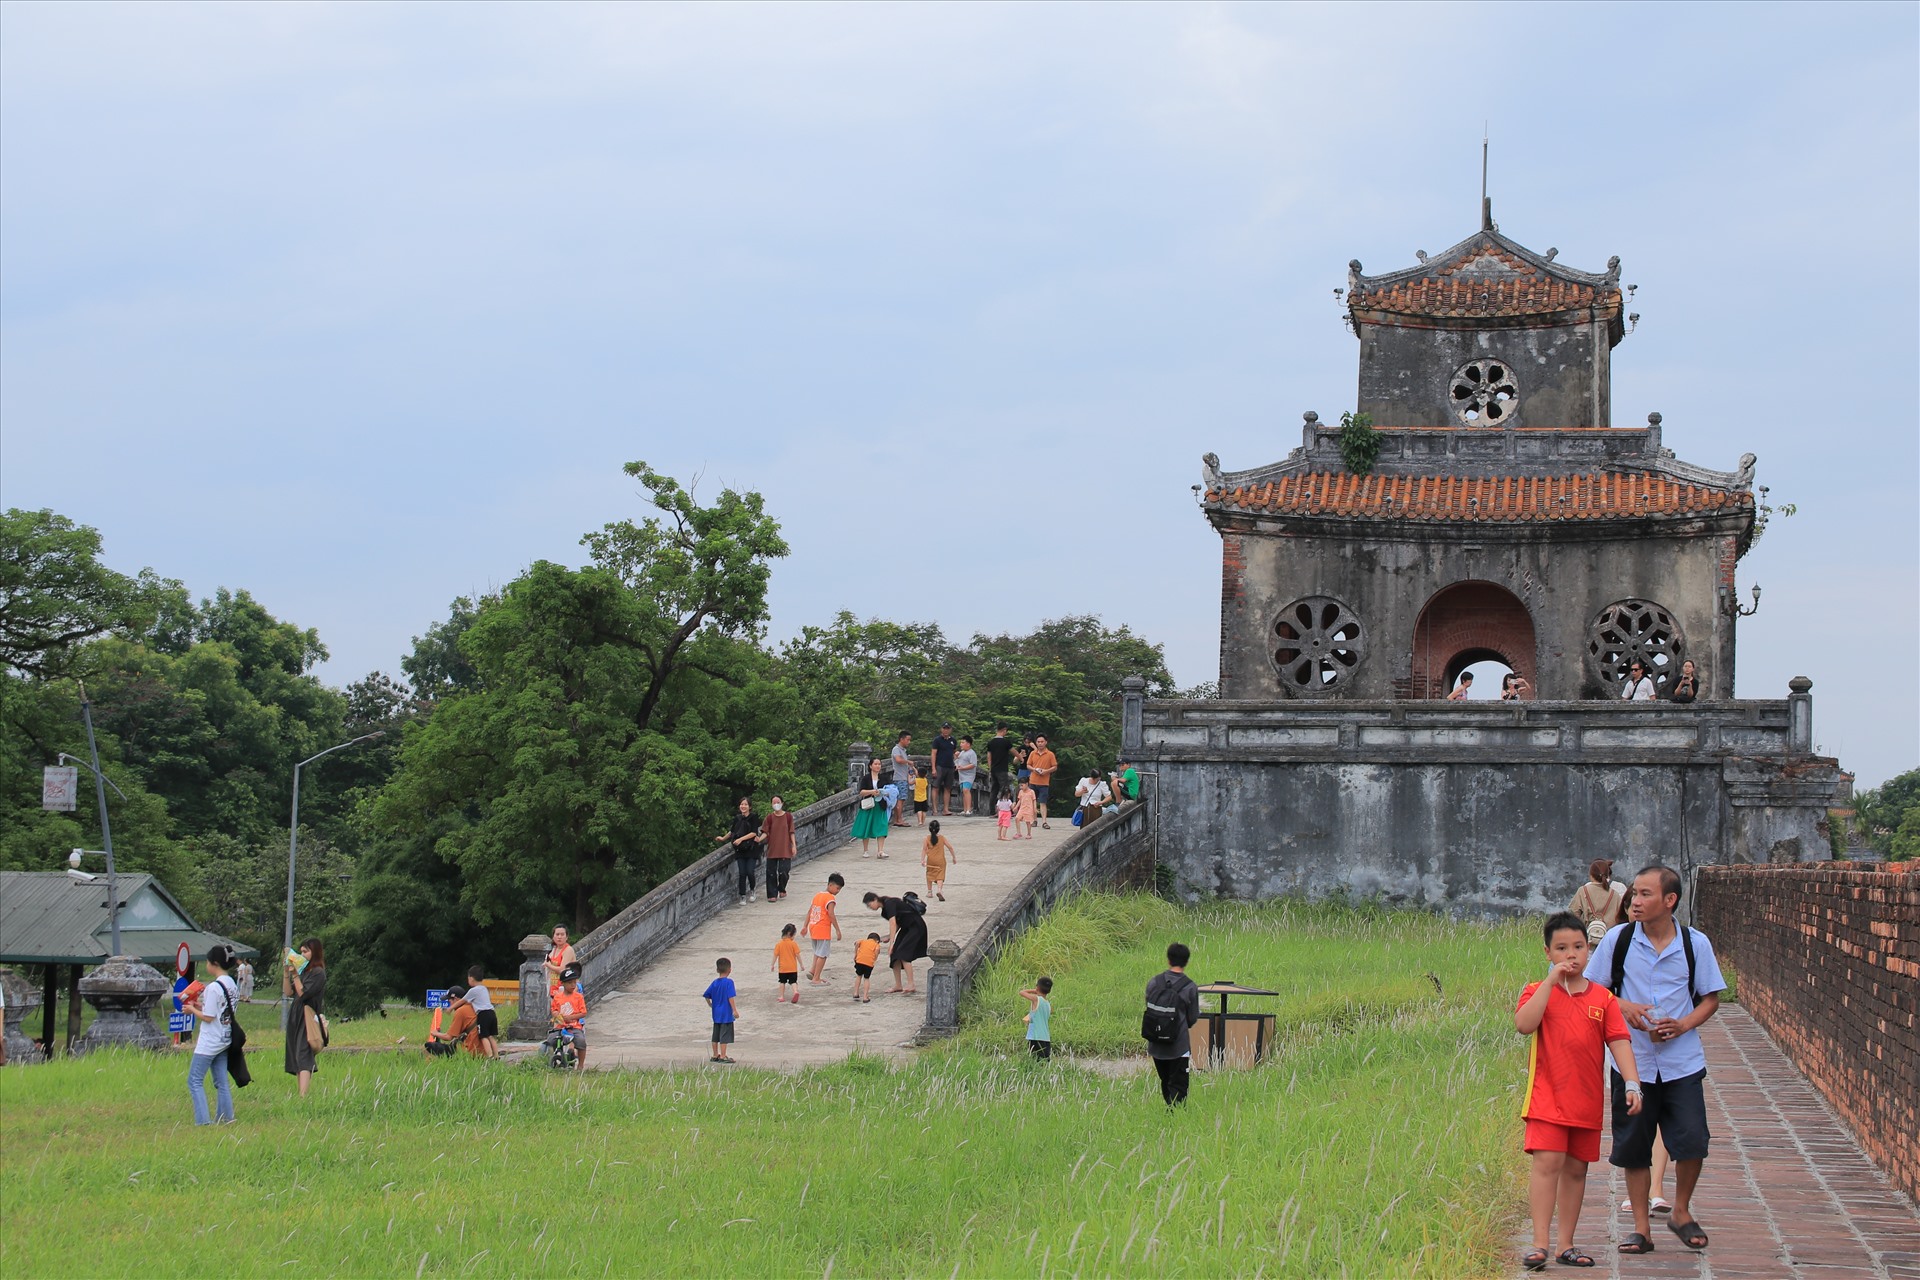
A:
(1486, 204)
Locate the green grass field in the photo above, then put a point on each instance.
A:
(1379, 1141)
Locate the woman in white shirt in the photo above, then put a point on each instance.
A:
(214, 1010)
(1639, 684)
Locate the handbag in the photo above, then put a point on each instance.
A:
(316, 1030)
(236, 1050)
(866, 802)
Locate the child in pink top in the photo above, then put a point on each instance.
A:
(1024, 813)
(1004, 816)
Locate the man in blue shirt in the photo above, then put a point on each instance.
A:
(1670, 984)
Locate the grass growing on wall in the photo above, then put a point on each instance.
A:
(1381, 1142)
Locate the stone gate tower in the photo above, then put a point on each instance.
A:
(1506, 517)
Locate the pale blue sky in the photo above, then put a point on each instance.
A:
(363, 307)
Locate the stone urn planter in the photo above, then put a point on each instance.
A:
(123, 993)
(22, 999)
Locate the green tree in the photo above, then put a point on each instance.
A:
(583, 765)
(1889, 816)
(55, 595)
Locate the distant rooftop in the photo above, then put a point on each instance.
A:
(47, 917)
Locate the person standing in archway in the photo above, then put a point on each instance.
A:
(1640, 686)
(1464, 689)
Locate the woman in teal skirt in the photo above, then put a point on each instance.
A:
(870, 818)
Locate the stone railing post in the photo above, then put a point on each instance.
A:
(22, 999)
(943, 991)
(1800, 716)
(533, 1021)
(123, 992)
(858, 754)
(1133, 691)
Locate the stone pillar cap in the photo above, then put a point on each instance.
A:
(943, 949)
(535, 944)
(1133, 684)
(1800, 684)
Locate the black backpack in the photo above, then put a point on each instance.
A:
(1161, 1024)
(1620, 944)
(913, 903)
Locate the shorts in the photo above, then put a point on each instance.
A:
(822, 947)
(791, 978)
(579, 1039)
(489, 1024)
(1004, 819)
(1676, 1108)
(1042, 1049)
(1544, 1135)
(919, 806)
(723, 1033)
(966, 784)
(943, 778)
(863, 970)
(1040, 793)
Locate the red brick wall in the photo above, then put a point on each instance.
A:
(1828, 960)
(1233, 588)
(1469, 616)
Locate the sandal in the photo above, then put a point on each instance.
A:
(1636, 1243)
(1571, 1257)
(1534, 1260)
(1690, 1233)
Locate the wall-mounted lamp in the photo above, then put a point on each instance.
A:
(1731, 606)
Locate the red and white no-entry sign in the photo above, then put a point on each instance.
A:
(183, 960)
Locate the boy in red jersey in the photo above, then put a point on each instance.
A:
(1571, 1023)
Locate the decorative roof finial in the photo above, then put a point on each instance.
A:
(1486, 204)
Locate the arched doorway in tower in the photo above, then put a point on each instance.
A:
(1465, 624)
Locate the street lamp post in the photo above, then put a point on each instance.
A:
(100, 785)
(293, 848)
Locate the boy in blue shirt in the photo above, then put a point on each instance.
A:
(720, 997)
(1039, 1018)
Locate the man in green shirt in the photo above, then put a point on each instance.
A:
(1126, 783)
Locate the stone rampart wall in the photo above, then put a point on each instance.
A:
(1828, 961)
(1115, 852)
(1481, 808)
(641, 934)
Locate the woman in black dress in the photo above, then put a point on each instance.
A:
(307, 991)
(906, 939)
(746, 838)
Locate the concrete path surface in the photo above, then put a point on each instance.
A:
(1786, 1191)
(659, 1019)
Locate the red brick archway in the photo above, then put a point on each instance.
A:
(1466, 623)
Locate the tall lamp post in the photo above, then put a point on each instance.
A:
(293, 846)
(100, 785)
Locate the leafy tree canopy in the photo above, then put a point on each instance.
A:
(1889, 816)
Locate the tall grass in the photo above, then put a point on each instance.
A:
(1377, 1143)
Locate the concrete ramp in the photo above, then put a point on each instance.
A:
(658, 1019)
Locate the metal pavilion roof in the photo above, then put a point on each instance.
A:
(47, 917)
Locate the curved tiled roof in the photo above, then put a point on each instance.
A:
(1603, 495)
(1485, 275)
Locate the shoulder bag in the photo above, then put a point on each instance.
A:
(236, 1042)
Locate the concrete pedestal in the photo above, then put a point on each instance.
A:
(22, 999)
(534, 1020)
(123, 993)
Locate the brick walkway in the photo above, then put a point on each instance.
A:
(1786, 1191)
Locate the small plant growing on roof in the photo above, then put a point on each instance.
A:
(1359, 442)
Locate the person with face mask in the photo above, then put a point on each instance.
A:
(778, 832)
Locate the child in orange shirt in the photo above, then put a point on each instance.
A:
(786, 963)
(866, 953)
(1571, 1024)
(570, 1012)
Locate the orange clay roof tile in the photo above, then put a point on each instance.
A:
(1501, 499)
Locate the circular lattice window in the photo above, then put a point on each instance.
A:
(1635, 630)
(1484, 393)
(1319, 643)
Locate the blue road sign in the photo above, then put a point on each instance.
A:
(437, 998)
(179, 1022)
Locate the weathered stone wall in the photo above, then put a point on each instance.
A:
(1546, 573)
(1563, 372)
(1828, 961)
(1474, 807)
